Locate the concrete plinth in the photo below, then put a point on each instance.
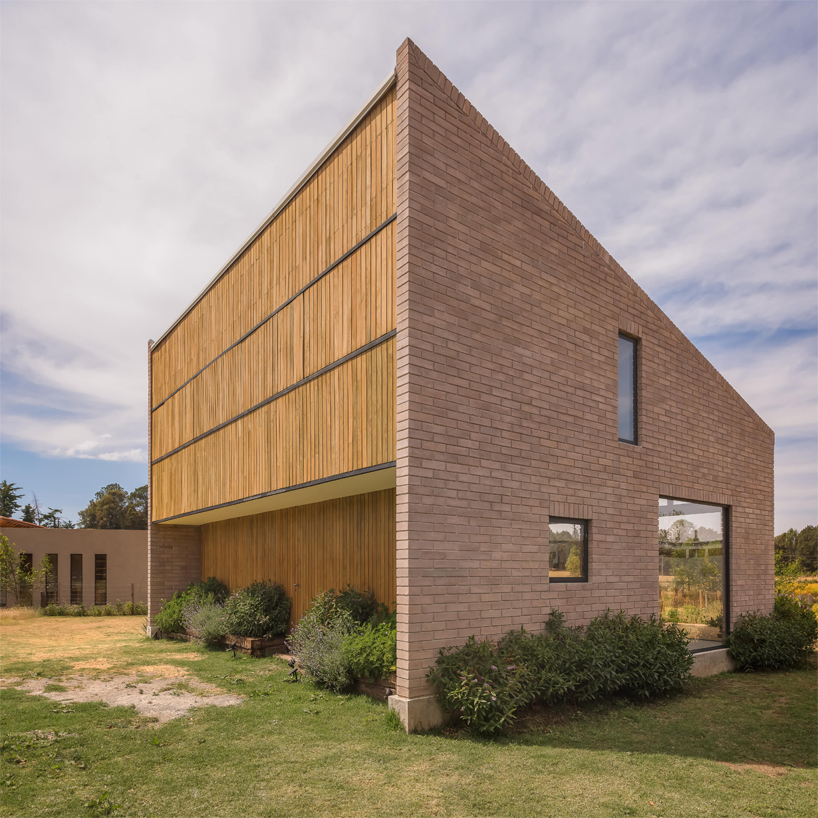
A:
(420, 713)
(711, 662)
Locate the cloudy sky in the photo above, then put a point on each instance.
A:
(143, 142)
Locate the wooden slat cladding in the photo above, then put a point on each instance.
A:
(339, 422)
(350, 306)
(320, 546)
(349, 196)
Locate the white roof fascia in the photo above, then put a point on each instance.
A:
(288, 196)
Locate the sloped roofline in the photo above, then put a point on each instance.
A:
(289, 195)
(537, 184)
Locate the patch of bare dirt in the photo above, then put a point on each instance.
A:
(773, 770)
(163, 671)
(92, 664)
(155, 698)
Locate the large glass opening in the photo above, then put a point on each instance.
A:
(693, 570)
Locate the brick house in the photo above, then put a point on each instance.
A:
(423, 375)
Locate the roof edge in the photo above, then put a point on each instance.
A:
(536, 183)
(288, 196)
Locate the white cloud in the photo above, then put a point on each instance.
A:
(143, 142)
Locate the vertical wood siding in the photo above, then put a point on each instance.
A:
(349, 307)
(348, 197)
(339, 422)
(320, 546)
(342, 420)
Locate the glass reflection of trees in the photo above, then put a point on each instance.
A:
(691, 575)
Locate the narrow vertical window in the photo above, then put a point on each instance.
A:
(100, 579)
(76, 579)
(26, 590)
(627, 389)
(52, 588)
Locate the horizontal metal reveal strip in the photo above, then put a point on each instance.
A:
(366, 470)
(291, 388)
(311, 283)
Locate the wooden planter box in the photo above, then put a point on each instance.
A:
(377, 688)
(252, 646)
(380, 689)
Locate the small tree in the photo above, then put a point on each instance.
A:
(17, 574)
(573, 564)
(10, 495)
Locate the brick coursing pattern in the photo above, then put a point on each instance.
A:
(508, 316)
(174, 551)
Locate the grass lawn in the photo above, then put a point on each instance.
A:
(734, 745)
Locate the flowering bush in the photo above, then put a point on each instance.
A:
(318, 642)
(261, 609)
(206, 617)
(616, 655)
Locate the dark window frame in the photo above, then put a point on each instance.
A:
(75, 588)
(586, 525)
(100, 559)
(52, 580)
(727, 551)
(635, 388)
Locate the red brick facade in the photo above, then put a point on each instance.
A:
(508, 318)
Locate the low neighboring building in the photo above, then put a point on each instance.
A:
(92, 566)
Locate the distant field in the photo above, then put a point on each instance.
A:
(735, 745)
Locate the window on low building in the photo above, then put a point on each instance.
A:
(76, 579)
(568, 550)
(100, 579)
(52, 586)
(627, 389)
(26, 591)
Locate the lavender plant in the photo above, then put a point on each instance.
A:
(207, 618)
(318, 642)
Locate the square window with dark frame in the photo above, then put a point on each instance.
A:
(567, 550)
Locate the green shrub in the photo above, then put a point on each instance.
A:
(206, 618)
(140, 609)
(261, 609)
(371, 652)
(616, 655)
(108, 610)
(783, 639)
(95, 611)
(171, 614)
(51, 610)
(361, 605)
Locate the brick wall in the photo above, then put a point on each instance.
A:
(174, 561)
(508, 318)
